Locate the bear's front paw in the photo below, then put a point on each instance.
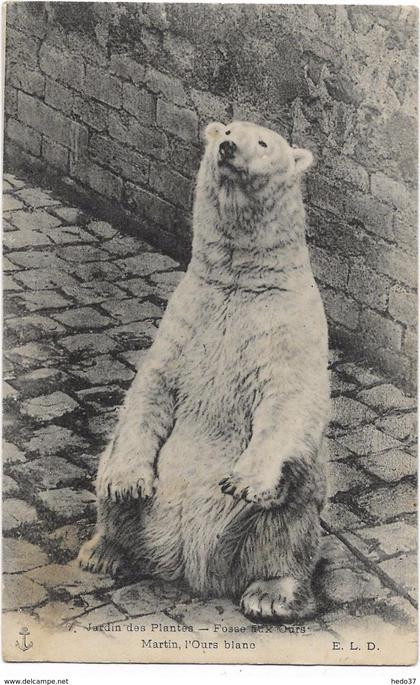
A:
(264, 494)
(127, 484)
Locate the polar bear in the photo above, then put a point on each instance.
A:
(214, 474)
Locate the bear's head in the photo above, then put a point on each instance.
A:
(248, 187)
(252, 155)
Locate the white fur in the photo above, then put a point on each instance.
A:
(235, 385)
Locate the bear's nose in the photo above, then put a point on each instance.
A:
(227, 149)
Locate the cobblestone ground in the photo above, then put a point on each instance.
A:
(81, 303)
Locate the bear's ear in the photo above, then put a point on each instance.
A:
(303, 159)
(213, 131)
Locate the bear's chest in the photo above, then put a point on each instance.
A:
(219, 371)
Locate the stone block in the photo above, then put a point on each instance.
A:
(25, 137)
(20, 592)
(17, 513)
(62, 66)
(386, 397)
(47, 407)
(387, 503)
(181, 122)
(67, 504)
(48, 472)
(20, 555)
(103, 369)
(391, 465)
(103, 87)
(128, 164)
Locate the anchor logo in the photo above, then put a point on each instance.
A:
(24, 632)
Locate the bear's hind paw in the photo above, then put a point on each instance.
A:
(277, 599)
(99, 555)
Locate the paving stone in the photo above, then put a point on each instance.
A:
(145, 264)
(147, 597)
(40, 381)
(7, 187)
(68, 504)
(401, 426)
(69, 538)
(33, 355)
(349, 412)
(70, 577)
(85, 344)
(124, 246)
(334, 554)
(134, 357)
(343, 585)
(48, 407)
(96, 292)
(102, 229)
(367, 439)
(69, 235)
(42, 299)
(167, 281)
(386, 503)
(8, 370)
(102, 369)
(339, 386)
(71, 215)
(386, 540)
(139, 287)
(127, 311)
(9, 266)
(19, 239)
(391, 465)
(97, 271)
(14, 181)
(10, 284)
(41, 279)
(342, 477)
(218, 611)
(102, 398)
(361, 375)
(17, 513)
(412, 449)
(9, 486)
(338, 516)
(36, 259)
(82, 253)
(54, 440)
(49, 472)
(34, 327)
(89, 462)
(386, 397)
(83, 318)
(38, 220)
(36, 197)
(20, 592)
(12, 454)
(400, 612)
(19, 555)
(403, 570)
(9, 393)
(104, 614)
(137, 335)
(11, 203)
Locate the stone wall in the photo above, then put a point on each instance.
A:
(110, 98)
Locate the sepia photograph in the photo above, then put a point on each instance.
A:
(210, 333)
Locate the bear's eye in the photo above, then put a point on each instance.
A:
(261, 142)
(227, 133)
